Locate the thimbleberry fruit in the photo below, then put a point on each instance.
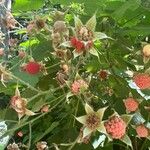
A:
(33, 68)
(115, 127)
(142, 80)
(131, 104)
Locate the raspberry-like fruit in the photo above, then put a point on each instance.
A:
(77, 44)
(33, 68)
(115, 127)
(142, 131)
(131, 104)
(78, 86)
(142, 80)
(73, 41)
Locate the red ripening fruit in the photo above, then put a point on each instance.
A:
(115, 127)
(33, 67)
(73, 41)
(77, 44)
(103, 74)
(131, 104)
(78, 85)
(142, 80)
(142, 131)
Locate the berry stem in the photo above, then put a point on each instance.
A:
(73, 144)
(42, 93)
(53, 65)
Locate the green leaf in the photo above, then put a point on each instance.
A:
(83, 147)
(92, 66)
(2, 147)
(27, 5)
(2, 114)
(38, 105)
(131, 4)
(29, 43)
(137, 30)
(42, 49)
(90, 6)
(53, 125)
(91, 23)
(29, 79)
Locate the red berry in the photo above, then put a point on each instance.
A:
(142, 80)
(115, 127)
(73, 41)
(33, 67)
(131, 104)
(79, 46)
(142, 131)
(78, 85)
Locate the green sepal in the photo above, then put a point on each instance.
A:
(91, 23)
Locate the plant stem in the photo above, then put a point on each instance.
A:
(53, 66)
(42, 93)
(12, 121)
(15, 65)
(73, 144)
(37, 95)
(30, 136)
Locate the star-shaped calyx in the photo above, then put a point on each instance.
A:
(92, 121)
